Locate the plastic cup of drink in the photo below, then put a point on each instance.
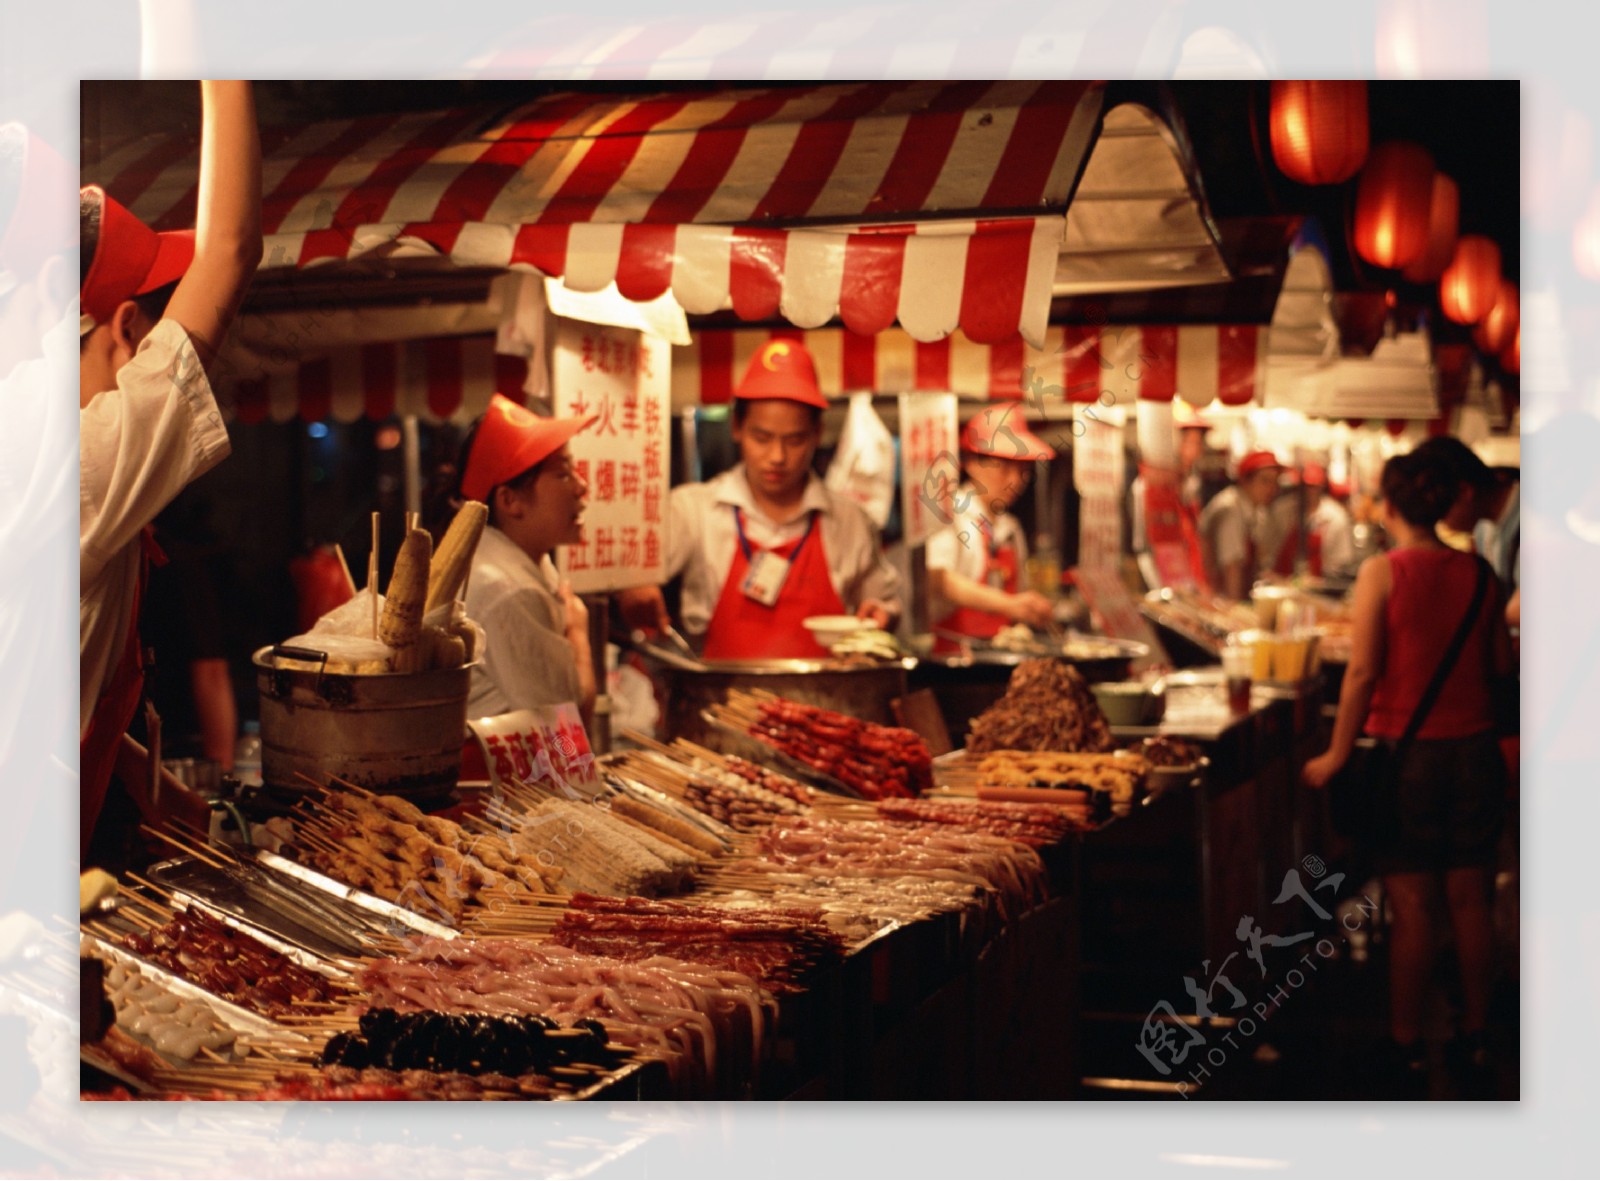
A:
(1238, 663)
(1292, 657)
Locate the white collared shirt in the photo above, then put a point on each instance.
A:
(961, 545)
(703, 538)
(138, 446)
(527, 659)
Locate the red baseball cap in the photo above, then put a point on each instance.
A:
(1002, 431)
(782, 369)
(1314, 474)
(129, 259)
(40, 224)
(510, 440)
(1257, 461)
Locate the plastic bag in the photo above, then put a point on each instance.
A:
(345, 636)
(863, 464)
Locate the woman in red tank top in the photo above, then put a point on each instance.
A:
(1443, 822)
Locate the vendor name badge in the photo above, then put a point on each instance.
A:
(764, 583)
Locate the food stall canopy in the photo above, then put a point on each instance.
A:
(1137, 221)
(1114, 364)
(1398, 381)
(436, 379)
(928, 203)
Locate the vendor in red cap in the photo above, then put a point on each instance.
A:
(765, 545)
(975, 563)
(536, 631)
(154, 309)
(1233, 524)
(1330, 534)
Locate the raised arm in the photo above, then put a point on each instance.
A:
(227, 247)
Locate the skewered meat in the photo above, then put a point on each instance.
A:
(1034, 825)
(778, 948)
(876, 761)
(230, 964)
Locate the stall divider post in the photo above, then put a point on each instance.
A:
(412, 437)
(917, 560)
(599, 640)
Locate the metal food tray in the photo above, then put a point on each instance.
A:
(771, 666)
(1076, 650)
(222, 893)
(310, 960)
(394, 913)
(237, 1018)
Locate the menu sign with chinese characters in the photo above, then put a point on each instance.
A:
(1097, 471)
(930, 465)
(621, 377)
(546, 746)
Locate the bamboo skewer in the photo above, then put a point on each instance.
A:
(344, 567)
(171, 839)
(372, 575)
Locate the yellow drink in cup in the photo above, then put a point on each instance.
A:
(1291, 659)
(1262, 662)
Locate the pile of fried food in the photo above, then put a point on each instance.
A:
(1048, 706)
(1117, 775)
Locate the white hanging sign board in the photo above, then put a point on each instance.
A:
(930, 464)
(621, 376)
(547, 746)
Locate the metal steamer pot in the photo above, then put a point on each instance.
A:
(395, 733)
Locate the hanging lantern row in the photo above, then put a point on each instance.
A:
(1408, 215)
(1319, 130)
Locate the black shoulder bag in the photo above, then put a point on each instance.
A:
(1361, 797)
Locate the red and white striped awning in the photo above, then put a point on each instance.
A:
(1113, 364)
(442, 378)
(934, 204)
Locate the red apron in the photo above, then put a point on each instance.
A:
(743, 629)
(1289, 551)
(113, 712)
(1172, 535)
(999, 570)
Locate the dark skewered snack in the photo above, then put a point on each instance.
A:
(470, 1044)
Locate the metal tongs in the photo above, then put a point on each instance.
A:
(682, 645)
(678, 654)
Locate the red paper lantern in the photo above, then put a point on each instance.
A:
(1319, 130)
(1511, 359)
(1471, 283)
(1394, 201)
(1495, 330)
(1444, 226)
(1586, 239)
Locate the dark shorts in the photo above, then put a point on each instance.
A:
(1449, 807)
